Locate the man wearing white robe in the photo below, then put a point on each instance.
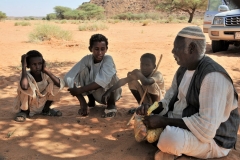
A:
(92, 76)
(199, 112)
(86, 72)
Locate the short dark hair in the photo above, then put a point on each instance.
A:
(97, 38)
(31, 54)
(151, 56)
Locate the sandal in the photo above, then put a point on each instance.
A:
(21, 117)
(52, 112)
(109, 113)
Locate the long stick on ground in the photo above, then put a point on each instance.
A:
(145, 90)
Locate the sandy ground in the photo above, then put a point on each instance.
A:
(72, 136)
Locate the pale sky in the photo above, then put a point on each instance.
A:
(20, 8)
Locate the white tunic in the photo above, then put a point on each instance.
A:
(86, 72)
(216, 101)
(35, 97)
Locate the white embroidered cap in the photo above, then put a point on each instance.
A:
(192, 32)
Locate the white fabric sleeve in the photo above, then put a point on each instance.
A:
(106, 72)
(216, 100)
(168, 96)
(78, 67)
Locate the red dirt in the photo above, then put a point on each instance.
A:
(72, 136)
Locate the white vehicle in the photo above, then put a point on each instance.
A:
(225, 27)
(212, 10)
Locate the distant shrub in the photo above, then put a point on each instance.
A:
(169, 19)
(22, 23)
(2, 15)
(63, 21)
(51, 16)
(182, 17)
(113, 21)
(47, 32)
(137, 16)
(29, 18)
(74, 22)
(123, 16)
(146, 22)
(82, 27)
(92, 27)
(153, 16)
(197, 21)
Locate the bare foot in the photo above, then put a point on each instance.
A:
(83, 110)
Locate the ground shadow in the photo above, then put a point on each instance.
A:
(233, 51)
(72, 136)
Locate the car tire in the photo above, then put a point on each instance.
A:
(224, 45)
(216, 46)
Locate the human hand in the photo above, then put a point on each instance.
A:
(105, 97)
(132, 76)
(136, 72)
(44, 68)
(74, 91)
(154, 121)
(24, 60)
(142, 110)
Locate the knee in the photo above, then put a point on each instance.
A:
(131, 85)
(154, 89)
(171, 140)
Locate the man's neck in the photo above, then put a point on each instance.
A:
(195, 64)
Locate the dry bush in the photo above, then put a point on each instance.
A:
(47, 32)
(22, 23)
(92, 27)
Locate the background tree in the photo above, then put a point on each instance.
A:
(51, 16)
(189, 6)
(72, 14)
(59, 10)
(2, 15)
(90, 11)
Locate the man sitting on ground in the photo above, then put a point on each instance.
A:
(199, 112)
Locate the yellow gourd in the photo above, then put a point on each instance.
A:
(140, 130)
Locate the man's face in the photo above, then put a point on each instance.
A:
(146, 66)
(98, 50)
(36, 64)
(180, 52)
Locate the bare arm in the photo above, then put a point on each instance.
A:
(120, 83)
(117, 85)
(76, 91)
(158, 121)
(24, 81)
(55, 80)
(144, 80)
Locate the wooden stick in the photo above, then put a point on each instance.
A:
(145, 90)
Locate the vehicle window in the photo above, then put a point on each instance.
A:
(213, 5)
